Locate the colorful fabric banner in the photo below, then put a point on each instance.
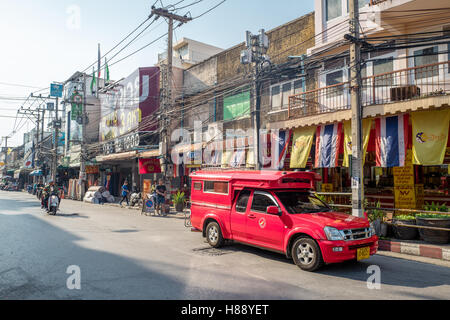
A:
(226, 158)
(147, 166)
(282, 141)
(328, 141)
(238, 159)
(430, 136)
(301, 146)
(391, 140)
(367, 125)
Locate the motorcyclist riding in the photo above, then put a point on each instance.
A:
(49, 190)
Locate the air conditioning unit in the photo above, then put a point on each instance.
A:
(404, 93)
(215, 132)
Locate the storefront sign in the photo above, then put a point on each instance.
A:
(404, 188)
(133, 100)
(327, 187)
(122, 144)
(56, 90)
(147, 166)
(146, 188)
(92, 169)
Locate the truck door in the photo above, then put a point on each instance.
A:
(239, 216)
(264, 229)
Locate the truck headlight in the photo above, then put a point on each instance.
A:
(333, 234)
(372, 230)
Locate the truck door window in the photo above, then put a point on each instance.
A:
(261, 201)
(242, 201)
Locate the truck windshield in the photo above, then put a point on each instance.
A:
(297, 202)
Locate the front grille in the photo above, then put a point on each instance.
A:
(356, 234)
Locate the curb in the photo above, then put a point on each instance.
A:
(415, 249)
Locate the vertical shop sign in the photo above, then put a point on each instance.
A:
(404, 188)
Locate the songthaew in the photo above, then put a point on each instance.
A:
(277, 211)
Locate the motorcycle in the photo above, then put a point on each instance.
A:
(53, 204)
(39, 193)
(136, 199)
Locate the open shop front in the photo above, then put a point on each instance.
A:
(406, 163)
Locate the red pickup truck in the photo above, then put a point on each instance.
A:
(277, 211)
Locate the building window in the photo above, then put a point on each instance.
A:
(216, 187)
(334, 78)
(287, 91)
(447, 33)
(298, 86)
(425, 57)
(276, 97)
(333, 9)
(381, 66)
(280, 93)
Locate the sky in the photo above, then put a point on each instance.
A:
(46, 41)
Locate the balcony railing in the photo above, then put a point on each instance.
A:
(400, 85)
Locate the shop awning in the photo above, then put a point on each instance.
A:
(149, 154)
(36, 173)
(118, 156)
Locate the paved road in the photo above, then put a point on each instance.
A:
(123, 255)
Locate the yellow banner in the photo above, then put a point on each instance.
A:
(367, 126)
(226, 158)
(430, 135)
(301, 146)
(250, 159)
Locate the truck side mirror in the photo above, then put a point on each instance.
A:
(273, 210)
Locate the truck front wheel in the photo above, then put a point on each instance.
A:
(306, 254)
(214, 235)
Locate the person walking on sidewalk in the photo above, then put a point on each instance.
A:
(125, 192)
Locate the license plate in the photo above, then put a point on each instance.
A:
(363, 253)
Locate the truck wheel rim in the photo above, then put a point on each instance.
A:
(213, 234)
(305, 253)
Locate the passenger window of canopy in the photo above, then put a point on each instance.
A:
(216, 187)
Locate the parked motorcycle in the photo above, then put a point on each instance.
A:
(136, 199)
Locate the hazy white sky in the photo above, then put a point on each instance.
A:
(43, 41)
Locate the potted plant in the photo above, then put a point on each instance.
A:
(436, 220)
(179, 200)
(405, 233)
(376, 217)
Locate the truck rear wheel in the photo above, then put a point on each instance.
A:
(306, 254)
(214, 235)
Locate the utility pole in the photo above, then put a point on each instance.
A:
(257, 46)
(355, 88)
(167, 78)
(82, 151)
(5, 170)
(56, 125)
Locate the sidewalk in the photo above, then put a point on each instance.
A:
(416, 248)
(172, 214)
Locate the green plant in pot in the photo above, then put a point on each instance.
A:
(179, 200)
(376, 217)
(436, 220)
(405, 233)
